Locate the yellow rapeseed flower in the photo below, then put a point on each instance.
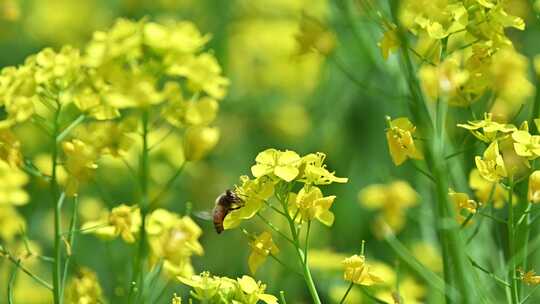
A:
(359, 272)
(314, 172)
(401, 142)
(282, 164)
(311, 204)
(261, 247)
(491, 165)
(199, 141)
(488, 130)
(84, 288)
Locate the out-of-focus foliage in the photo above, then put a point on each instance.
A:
(244, 76)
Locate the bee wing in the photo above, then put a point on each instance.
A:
(204, 215)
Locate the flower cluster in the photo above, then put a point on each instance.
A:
(172, 239)
(223, 290)
(464, 50)
(275, 172)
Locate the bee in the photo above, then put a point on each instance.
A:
(225, 203)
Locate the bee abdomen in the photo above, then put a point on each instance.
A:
(219, 215)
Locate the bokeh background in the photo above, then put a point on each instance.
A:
(283, 96)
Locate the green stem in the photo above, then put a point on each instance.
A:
(71, 242)
(69, 128)
(19, 265)
(511, 244)
(282, 297)
(301, 257)
(144, 204)
(56, 199)
(346, 293)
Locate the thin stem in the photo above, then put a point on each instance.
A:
(289, 268)
(10, 285)
(19, 265)
(511, 244)
(168, 185)
(301, 257)
(69, 128)
(306, 245)
(491, 274)
(144, 204)
(282, 297)
(71, 242)
(346, 293)
(273, 227)
(56, 199)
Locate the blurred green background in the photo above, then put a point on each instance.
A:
(280, 97)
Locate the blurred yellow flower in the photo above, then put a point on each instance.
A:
(491, 165)
(533, 194)
(530, 278)
(282, 164)
(462, 201)
(392, 199)
(311, 204)
(12, 182)
(401, 143)
(482, 190)
(261, 247)
(84, 288)
(11, 223)
(199, 141)
(176, 299)
(410, 291)
(80, 163)
(389, 41)
(358, 272)
(509, 71)
(174, 239)
(123, 221)
(10, 148)
(314, 35)
(428, 255)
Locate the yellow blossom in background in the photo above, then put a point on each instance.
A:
(10, 10)
(311, 204)
(462, 201)
(255, 291)
(261, 247)
(314, 36)
(199, 141)
(537, 64)
(80, 163)
(530, 278)
(10, 148)
(491, 166)
(84, 289)
(428, 255)
(174, 239)
(488, 130)
(410, 291)
(509, 72)
(446, 80)
(392, 200)
(482, 190)
(176, 299)
(401, 143)
(282, 164)
(358, 272)
(11, 223)
(12, 182)
(325, 259)
(123, 221)
(533, 194)
(389, 42)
